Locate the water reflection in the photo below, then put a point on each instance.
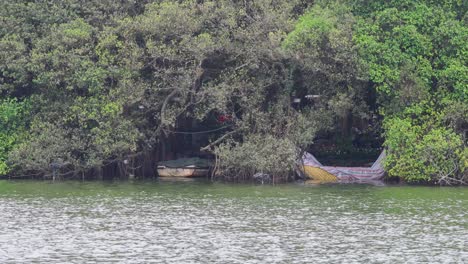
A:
(199, 222)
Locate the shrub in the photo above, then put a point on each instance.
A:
(257, 153)
(425, 152)
(12, 121)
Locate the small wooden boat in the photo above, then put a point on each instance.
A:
(189, 171)
(187, 167)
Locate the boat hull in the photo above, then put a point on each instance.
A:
(182, 172)
(342, 174)
(320, 175)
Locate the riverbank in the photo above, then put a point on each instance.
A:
(386, 182)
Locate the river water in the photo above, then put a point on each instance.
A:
(200, 222)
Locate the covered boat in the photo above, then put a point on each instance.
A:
(187, 167)
(314, 170)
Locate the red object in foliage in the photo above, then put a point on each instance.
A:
(224, 118)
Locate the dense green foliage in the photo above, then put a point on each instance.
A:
(105, 81)
(12, 129)
(421, 148)
(416, 53)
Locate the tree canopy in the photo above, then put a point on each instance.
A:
(95, 83)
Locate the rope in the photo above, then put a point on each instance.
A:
(197, 132)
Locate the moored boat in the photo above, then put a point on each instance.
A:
(314, 170)
(187, 167)
(189, 171)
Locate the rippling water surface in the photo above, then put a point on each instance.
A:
(198, 222)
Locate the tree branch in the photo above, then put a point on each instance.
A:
(163, 109)
(219, 140)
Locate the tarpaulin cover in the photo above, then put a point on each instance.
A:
(375, 172)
